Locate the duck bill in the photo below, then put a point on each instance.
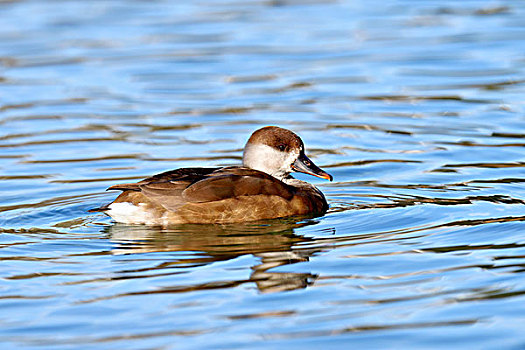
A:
(303, 164)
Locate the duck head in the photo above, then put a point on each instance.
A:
(279, 152)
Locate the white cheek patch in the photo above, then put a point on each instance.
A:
(263, 158)
(269, 160)
(292, 157)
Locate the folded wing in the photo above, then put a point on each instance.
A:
(176, 188)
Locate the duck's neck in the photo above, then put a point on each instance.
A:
(292, 181)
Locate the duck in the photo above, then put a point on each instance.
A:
(259, 189)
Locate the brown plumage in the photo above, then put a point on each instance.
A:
(225, 195)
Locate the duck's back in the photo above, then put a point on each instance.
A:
(211, 195)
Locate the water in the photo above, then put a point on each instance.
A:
(416, 109)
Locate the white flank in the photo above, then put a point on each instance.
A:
(128, 213)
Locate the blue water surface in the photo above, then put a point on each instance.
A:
(415, 107)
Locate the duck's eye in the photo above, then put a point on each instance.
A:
(281, 147)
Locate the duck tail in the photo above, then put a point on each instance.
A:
(101, 209)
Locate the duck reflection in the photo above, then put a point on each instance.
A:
(273, 242)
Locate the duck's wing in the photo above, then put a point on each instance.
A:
(235, 182)
(209, 186)
(162, 188)
(182, 175)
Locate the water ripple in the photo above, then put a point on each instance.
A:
(416, 108)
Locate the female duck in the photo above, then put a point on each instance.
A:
(262, 188)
